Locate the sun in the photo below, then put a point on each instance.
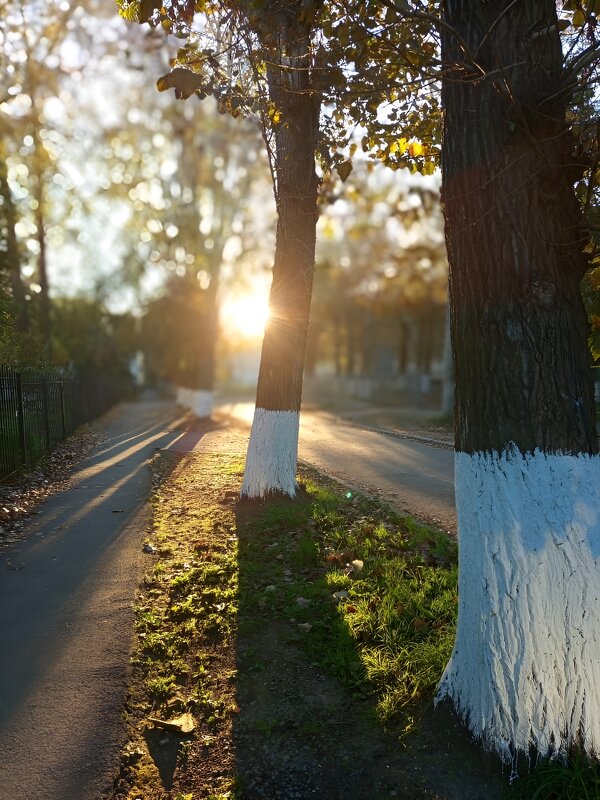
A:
(244, 316)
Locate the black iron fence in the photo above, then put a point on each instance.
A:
(40, 408)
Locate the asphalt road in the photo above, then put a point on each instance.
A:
(66, 617)
(411, 475)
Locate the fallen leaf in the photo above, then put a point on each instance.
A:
(184, 724)
(350, 609)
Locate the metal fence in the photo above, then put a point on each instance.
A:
(39, 408)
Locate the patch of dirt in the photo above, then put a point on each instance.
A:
(301, 735)
(273, 725)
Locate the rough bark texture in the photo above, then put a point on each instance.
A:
(514, 234)
(290, 90)
(523, 670)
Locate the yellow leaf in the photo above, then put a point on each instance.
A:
(416, 149)
(579, 18)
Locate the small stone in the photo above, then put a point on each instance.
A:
(342, 595)
(304, 626)
(357, 565)
(270, 588)
(303, 602)
(148, 548)
(164, 742)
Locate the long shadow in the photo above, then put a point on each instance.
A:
(47, 577)
(307, 726)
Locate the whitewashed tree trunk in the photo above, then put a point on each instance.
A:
(525, 669)
(272, 453)
(201, 402)
(273, 448)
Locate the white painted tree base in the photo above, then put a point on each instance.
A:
(525, 670)
(272, 454)
(201, 403)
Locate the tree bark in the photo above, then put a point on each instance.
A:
(514, 235)
(527, 471)
(273, 447)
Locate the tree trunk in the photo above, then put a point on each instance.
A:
(45, 324)
(202, 395)
(273, 447)
(524, 671)
(10, 261)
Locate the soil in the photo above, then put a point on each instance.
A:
(289, 730)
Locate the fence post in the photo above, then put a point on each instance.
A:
(46, 406)
(62, 409)
(21, 419)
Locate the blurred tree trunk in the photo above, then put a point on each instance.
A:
(45, 323)
(10, 260)
(527, 467)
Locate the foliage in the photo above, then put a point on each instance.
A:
(90, 341)
(591, 299)
(176, 336)
(577, 779)
(381, 272)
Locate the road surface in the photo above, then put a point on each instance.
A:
(411, 475)
(66, 617)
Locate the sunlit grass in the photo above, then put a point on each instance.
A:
(382, 591)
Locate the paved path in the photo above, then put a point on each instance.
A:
(66, 617)
(412, 475)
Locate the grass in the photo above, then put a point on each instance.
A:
(378, 591)
(371, 595)
(577, 779)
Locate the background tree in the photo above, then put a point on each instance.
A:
(380, 288)
(279, 70)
